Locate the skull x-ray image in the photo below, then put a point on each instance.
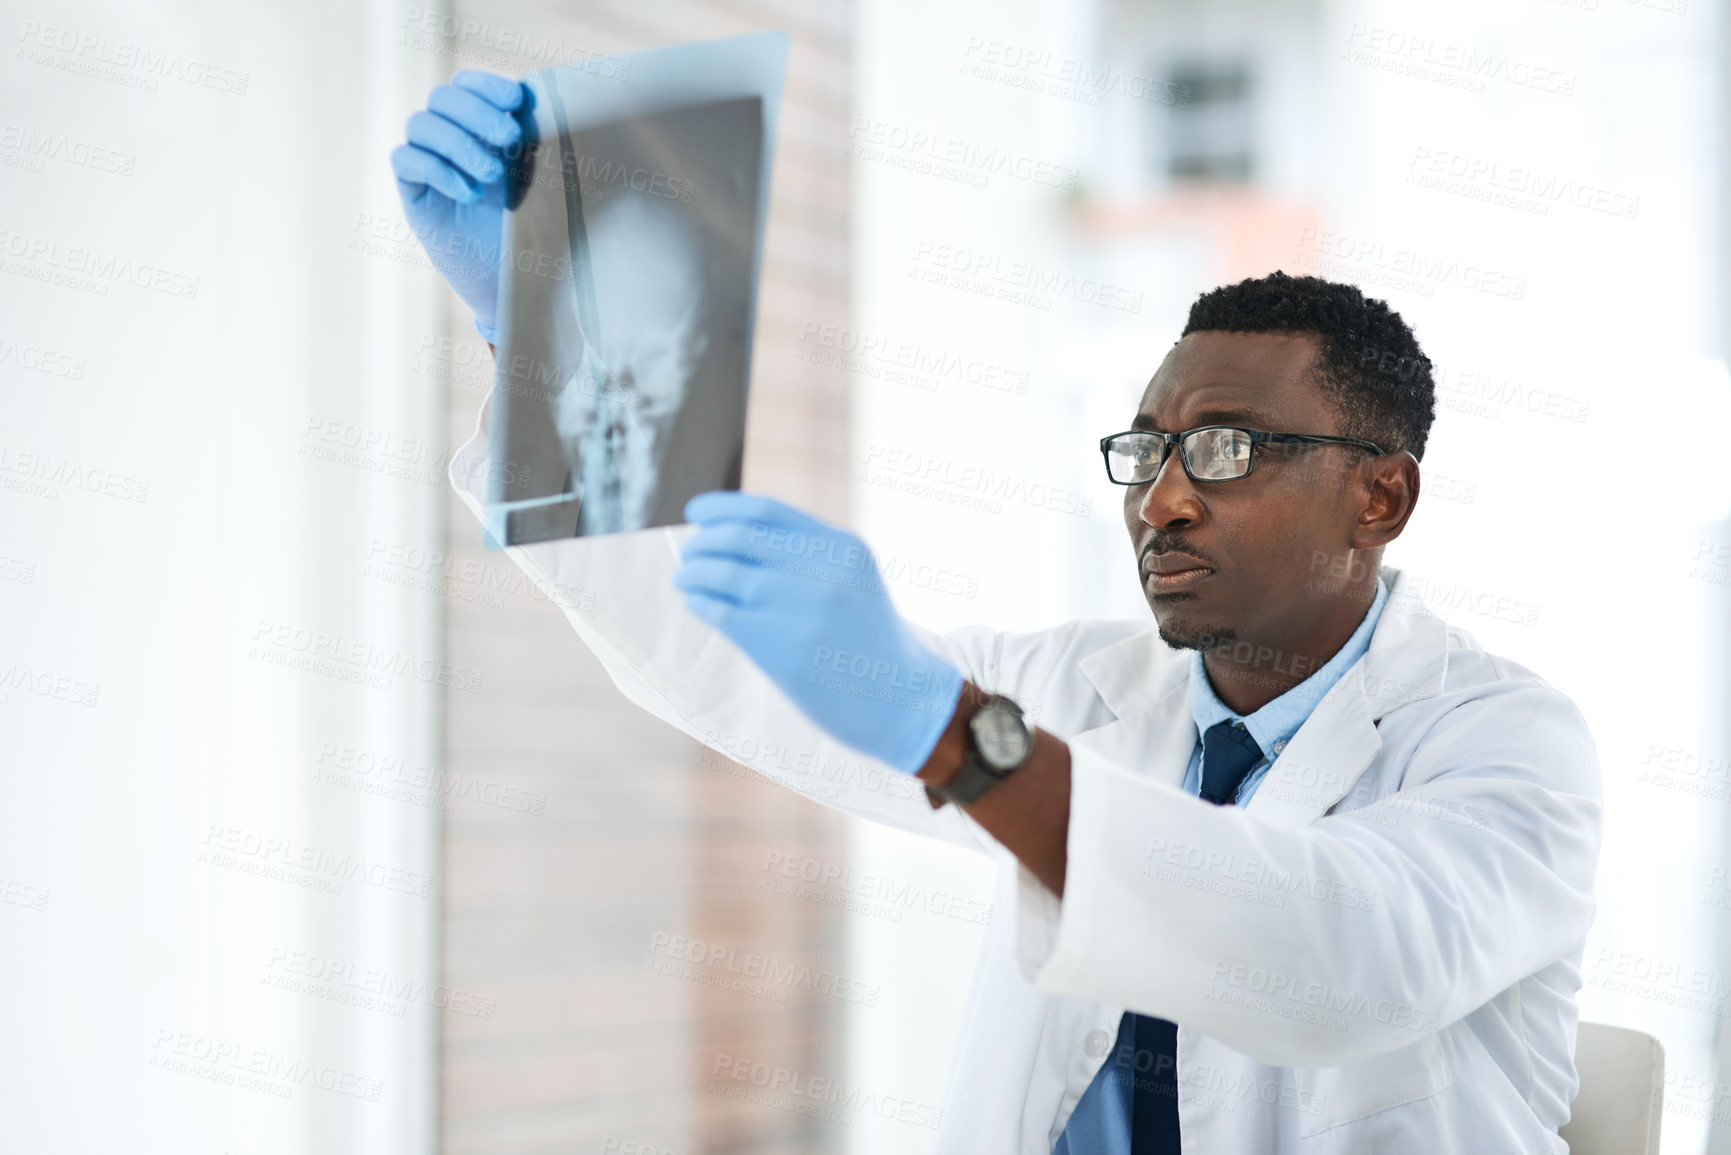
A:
(628, 285)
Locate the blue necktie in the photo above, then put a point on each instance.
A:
(1228, 753)
(1131, 1107)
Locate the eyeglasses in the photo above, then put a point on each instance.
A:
(1209, 452)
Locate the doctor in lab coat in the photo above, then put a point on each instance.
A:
(1377, 952)
(1376, 949)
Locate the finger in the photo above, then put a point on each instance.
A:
(796, 551)
(474, 115)
(738, 539)
(499, 91)
(731, 505)
(466, 154)
(418, 170)
(718, 613)
(735, 582)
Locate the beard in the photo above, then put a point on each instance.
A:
(1200, 638)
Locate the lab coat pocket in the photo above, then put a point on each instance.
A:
(1337, 1095)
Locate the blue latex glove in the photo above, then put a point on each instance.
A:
(803, 599)
(452, 178)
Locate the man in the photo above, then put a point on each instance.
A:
(1293, 867)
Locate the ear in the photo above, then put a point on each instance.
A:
(1390, 495)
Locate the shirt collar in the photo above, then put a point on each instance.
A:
(1276, 722)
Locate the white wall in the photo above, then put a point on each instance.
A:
(162, 825)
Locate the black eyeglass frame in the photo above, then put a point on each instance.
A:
(1257, 437)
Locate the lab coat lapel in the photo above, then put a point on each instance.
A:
(1319, 766)
(1145, 683)
(1330, 752)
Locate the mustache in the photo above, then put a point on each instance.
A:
(1163, 544)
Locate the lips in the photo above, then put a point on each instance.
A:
(1183, 579)
(1172, 563)
(1170, 571)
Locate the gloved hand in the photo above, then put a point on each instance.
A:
(805, 602)
(452, 176)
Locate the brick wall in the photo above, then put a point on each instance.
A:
(551, 918)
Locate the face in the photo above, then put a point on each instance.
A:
(1269, 545)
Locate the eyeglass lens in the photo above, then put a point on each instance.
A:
(1215, 455)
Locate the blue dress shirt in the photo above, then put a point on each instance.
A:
(1103, 1127)
(1275, 723)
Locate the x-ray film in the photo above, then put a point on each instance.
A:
(628, 288)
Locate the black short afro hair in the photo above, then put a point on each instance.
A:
(1369, 367)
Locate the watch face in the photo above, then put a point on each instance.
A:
(1001, 737)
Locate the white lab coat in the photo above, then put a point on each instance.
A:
(1378, 953)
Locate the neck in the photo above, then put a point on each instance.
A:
(1247, 674)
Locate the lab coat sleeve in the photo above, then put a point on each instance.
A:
(617, 592)
(1355, 935)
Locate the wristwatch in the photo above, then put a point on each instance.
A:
(999, 742)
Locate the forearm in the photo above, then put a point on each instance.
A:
(1029, 812)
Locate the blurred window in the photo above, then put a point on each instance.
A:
(1208, 134)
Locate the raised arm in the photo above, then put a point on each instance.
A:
(618, 590)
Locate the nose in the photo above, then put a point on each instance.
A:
(1169, 501)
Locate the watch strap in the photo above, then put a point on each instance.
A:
(966, 785)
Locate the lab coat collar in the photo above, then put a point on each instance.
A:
(1136, 674)
(1145, 684)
